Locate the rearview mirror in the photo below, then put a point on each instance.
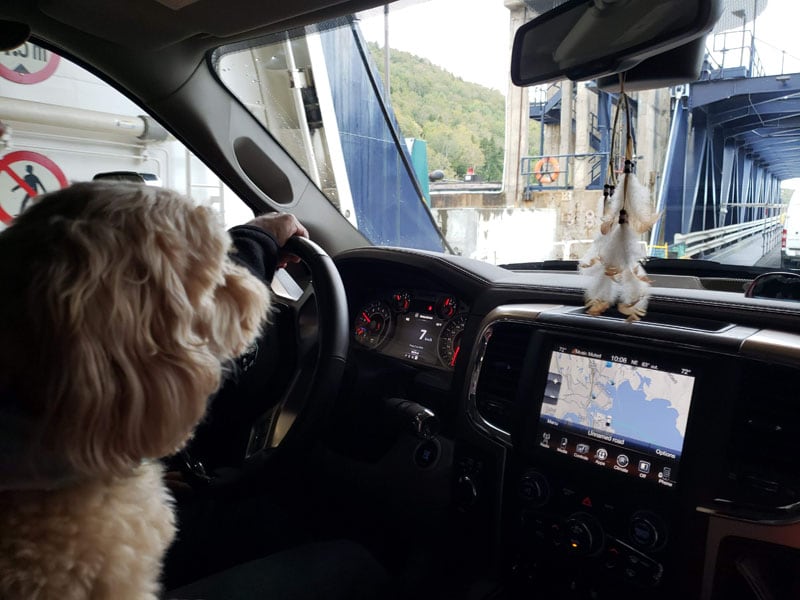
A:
(584, 39)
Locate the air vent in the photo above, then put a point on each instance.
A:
(763, 448)
(496, 390)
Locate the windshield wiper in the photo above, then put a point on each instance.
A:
(544, 265)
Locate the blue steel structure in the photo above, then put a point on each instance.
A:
(387, 196)
(733, 139)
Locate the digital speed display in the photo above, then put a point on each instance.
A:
(416, 337)
(616, 411)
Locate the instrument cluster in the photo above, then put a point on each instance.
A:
(418, 327)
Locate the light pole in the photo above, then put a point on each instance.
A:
(386, 49)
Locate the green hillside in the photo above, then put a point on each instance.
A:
(462, 122)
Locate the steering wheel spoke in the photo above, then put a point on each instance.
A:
(306, 319)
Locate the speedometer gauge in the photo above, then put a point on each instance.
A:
(450, 340)
(372, 324)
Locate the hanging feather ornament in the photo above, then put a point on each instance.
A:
(613, 263)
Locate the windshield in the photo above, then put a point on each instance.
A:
(406, 118)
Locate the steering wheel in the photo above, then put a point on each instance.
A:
(320, 320)
(284, 386)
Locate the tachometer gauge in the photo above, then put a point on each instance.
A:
(372, 324)
(450, 340)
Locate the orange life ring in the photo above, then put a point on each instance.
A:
(546, 170)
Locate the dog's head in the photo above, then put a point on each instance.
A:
(121, 306)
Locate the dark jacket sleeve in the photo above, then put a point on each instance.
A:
(255, 249)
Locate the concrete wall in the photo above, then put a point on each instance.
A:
(652, 137)
(479, 226)
(578, 211)
(491, 199)
(500, 235)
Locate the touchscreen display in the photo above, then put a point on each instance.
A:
(616, 411)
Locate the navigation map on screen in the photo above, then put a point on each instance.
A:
(624, 413)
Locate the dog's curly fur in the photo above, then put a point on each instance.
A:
(125, 306)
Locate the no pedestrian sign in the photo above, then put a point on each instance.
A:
(28, 64)
(23, 176)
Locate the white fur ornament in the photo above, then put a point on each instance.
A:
(613, 262)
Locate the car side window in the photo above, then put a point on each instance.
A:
(61, 124)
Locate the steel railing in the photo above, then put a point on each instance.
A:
(557, 171)
(710, 240)
(690, 244)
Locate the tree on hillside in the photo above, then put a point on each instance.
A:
(462, 122)
(493, 160)
(456, 144)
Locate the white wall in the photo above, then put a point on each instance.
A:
(500, 235)
(80, 153)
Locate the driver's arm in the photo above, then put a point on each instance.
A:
(258, 242)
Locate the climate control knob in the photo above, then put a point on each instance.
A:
(533, 489)
(647, 530)
(583, 535)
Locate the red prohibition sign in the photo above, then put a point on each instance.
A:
(29, 157)
(25, 77)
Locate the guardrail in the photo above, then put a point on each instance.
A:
(713, 239)
(690, 244)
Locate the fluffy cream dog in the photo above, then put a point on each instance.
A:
(121, 306)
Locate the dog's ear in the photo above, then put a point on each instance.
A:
(127, 326)
(236, 313)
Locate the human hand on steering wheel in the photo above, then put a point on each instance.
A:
(281, 226)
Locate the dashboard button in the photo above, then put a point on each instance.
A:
(623, 460)
(567, 492)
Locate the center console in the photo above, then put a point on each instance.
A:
(611, 441)
(592, 498)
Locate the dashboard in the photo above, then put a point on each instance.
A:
(592, 457)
